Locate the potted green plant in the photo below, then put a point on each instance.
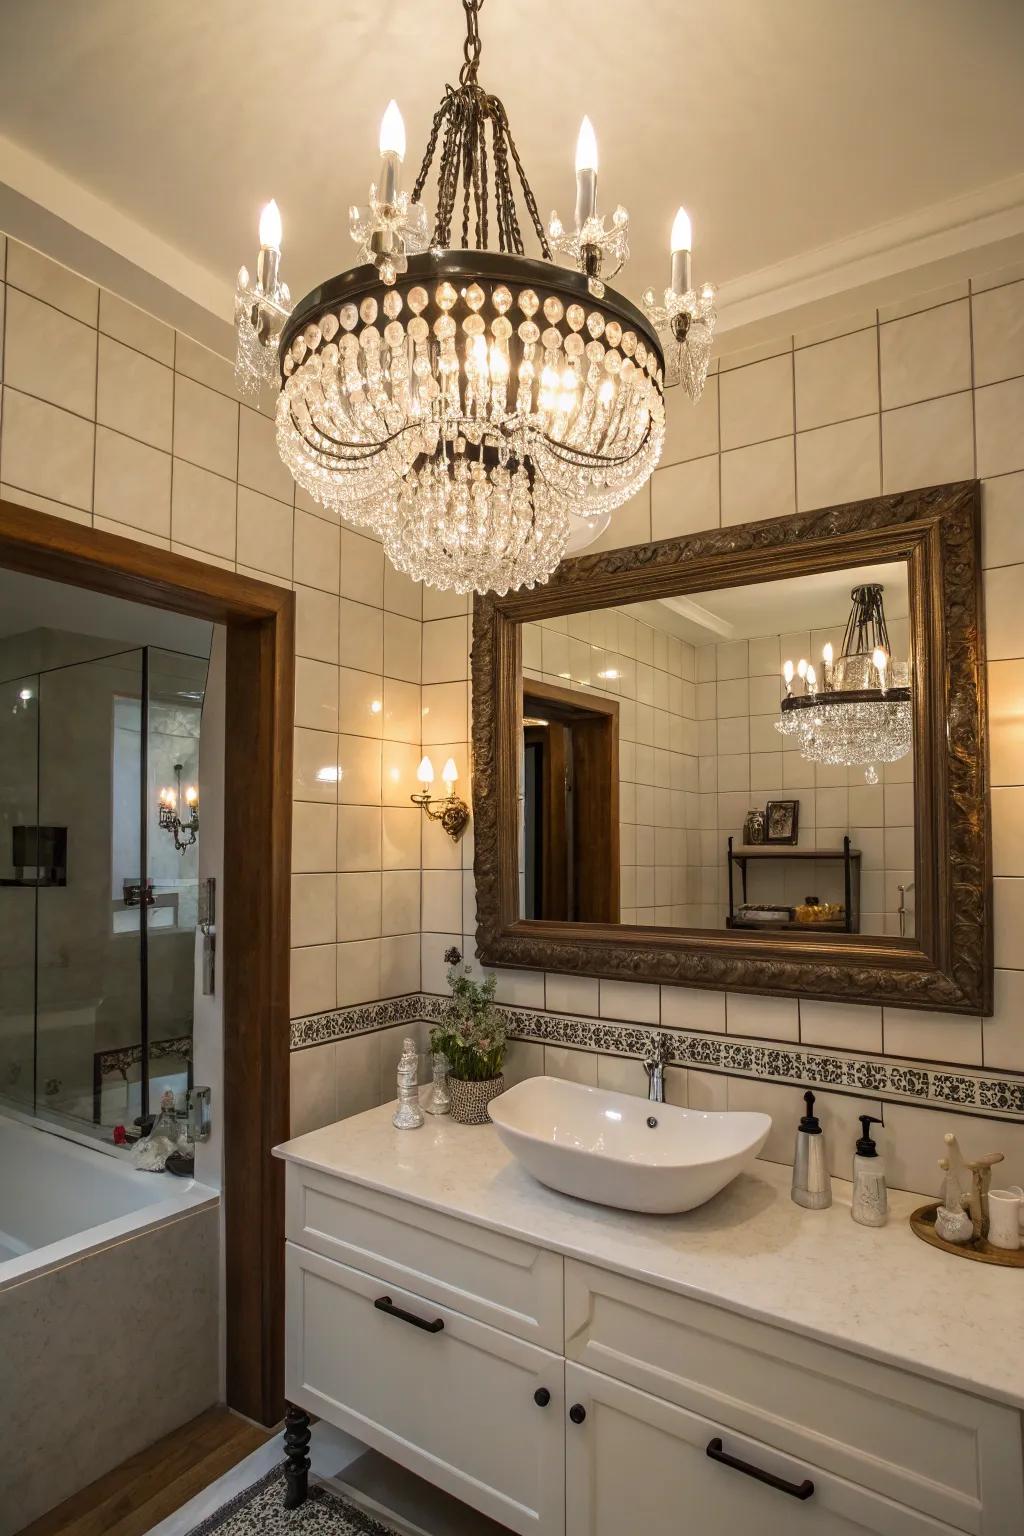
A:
(472, 1038)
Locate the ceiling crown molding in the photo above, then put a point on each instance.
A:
(936, 233)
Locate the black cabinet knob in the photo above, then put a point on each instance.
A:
(577, 1413)
(542, 1397)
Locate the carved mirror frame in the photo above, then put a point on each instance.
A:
(948, 964)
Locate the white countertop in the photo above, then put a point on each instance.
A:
(878, 1292)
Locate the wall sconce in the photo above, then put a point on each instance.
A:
(452, 812)
(183, 832)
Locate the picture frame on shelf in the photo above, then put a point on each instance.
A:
(782, 822)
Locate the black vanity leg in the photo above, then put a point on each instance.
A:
(296, 1447)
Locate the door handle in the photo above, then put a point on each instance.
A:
(385, 1304)
(577, 1413)
(795, 1490)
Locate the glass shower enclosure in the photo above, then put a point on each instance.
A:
(98, 902)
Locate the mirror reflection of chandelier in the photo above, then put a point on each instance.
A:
(472, 407)
(859, 712)
(184, 831)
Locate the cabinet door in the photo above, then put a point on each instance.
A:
(470, 1409)
(636, 1463)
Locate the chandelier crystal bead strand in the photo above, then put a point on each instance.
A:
(471, 407)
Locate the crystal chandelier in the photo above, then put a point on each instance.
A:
(860, 712)
(474, 408)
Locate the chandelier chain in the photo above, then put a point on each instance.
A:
(464, 114)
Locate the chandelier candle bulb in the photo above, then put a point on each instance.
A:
(392, 150)
(586, 173)
(880, 661)
(787, 676)
(269, 260)
(682, 246)
(801, 668)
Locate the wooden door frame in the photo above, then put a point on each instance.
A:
(255, 906)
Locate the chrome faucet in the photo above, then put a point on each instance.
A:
(655, 1069)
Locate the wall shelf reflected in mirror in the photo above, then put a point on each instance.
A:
(797, 800)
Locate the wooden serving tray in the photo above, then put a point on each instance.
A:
(922, 1222)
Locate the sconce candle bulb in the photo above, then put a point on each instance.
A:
(425, 771)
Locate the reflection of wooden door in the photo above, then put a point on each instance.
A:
(572, 808)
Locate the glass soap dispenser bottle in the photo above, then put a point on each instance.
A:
(870, 1202)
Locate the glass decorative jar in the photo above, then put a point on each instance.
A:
(439, 1102)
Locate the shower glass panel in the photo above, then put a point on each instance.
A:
(98, 902)
(19, 723)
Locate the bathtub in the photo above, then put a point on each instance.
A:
(109, 1313)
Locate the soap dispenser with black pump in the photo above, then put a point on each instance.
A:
(870, 1201)
(812, 1186)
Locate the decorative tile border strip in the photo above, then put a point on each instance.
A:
(895, 1080)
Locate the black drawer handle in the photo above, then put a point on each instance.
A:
(385, 1304)
(542, 1397)
(795, 1490)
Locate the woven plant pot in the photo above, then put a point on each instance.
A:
(470, 1100)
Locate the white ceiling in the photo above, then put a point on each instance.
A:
(785, 126)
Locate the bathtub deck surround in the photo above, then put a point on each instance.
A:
(624, 1354)
(108, 1295)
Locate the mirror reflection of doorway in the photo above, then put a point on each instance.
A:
(571, 805)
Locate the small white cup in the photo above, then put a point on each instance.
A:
(1004, 1217)
(1015, 1189)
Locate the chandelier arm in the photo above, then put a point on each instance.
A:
(428, 156)
(528, 197)
(481, 228)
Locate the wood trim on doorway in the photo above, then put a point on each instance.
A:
(260, 623)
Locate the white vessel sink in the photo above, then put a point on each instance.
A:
(602, 1146)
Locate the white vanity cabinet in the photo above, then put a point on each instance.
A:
(562, 1397)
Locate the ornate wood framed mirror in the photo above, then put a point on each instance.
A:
(801, 798)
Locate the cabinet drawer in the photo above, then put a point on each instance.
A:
(454, 1404)
(927, 1446)
(636, 1464)
(499, 1280)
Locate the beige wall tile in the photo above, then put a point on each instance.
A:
(1004, 613)
(202, 510)
(357, 1070)
(693, 1008)
(927, 444)
(684, 498)
(359, 905)
(575, 1066)
(442, 898)
(315, 766)
(362, 569)
(758, 482)
(48, 280)
(264, 534)
(932, 1036)
(313, 979)
(999, 412)
(445, 650)
(361, 637)
(523, 1059)
(402, 595)
(445, 714)
(358, 972)
(401, 648)
(135, 328)
(402, 716)
(313, 909)
(49, 355)
(1003, 1034)
(841, 1026)
(1008, 922)
(64, 472)
(316, 624)
(313, 837)
(838, 463)
(133, 483)
(399, 964)
(925, 355)
(634, 1001)
(691, 430)
(314, 1095)
(769, 1018)
(1008, 831)
(360, 703)
(1002, 520)
(756, 402)
(205, 427)
(998, 333)
(400, 847)
(630, 524)
(360, 760)
(316, 553)
(316, 695)
(837, 379)
(444, 605)
(198, 363)
(359, 837)
(259, 464)
(572, 994)
(621, 1074)
(1006, 715)
(400, 901)
(134, 394)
